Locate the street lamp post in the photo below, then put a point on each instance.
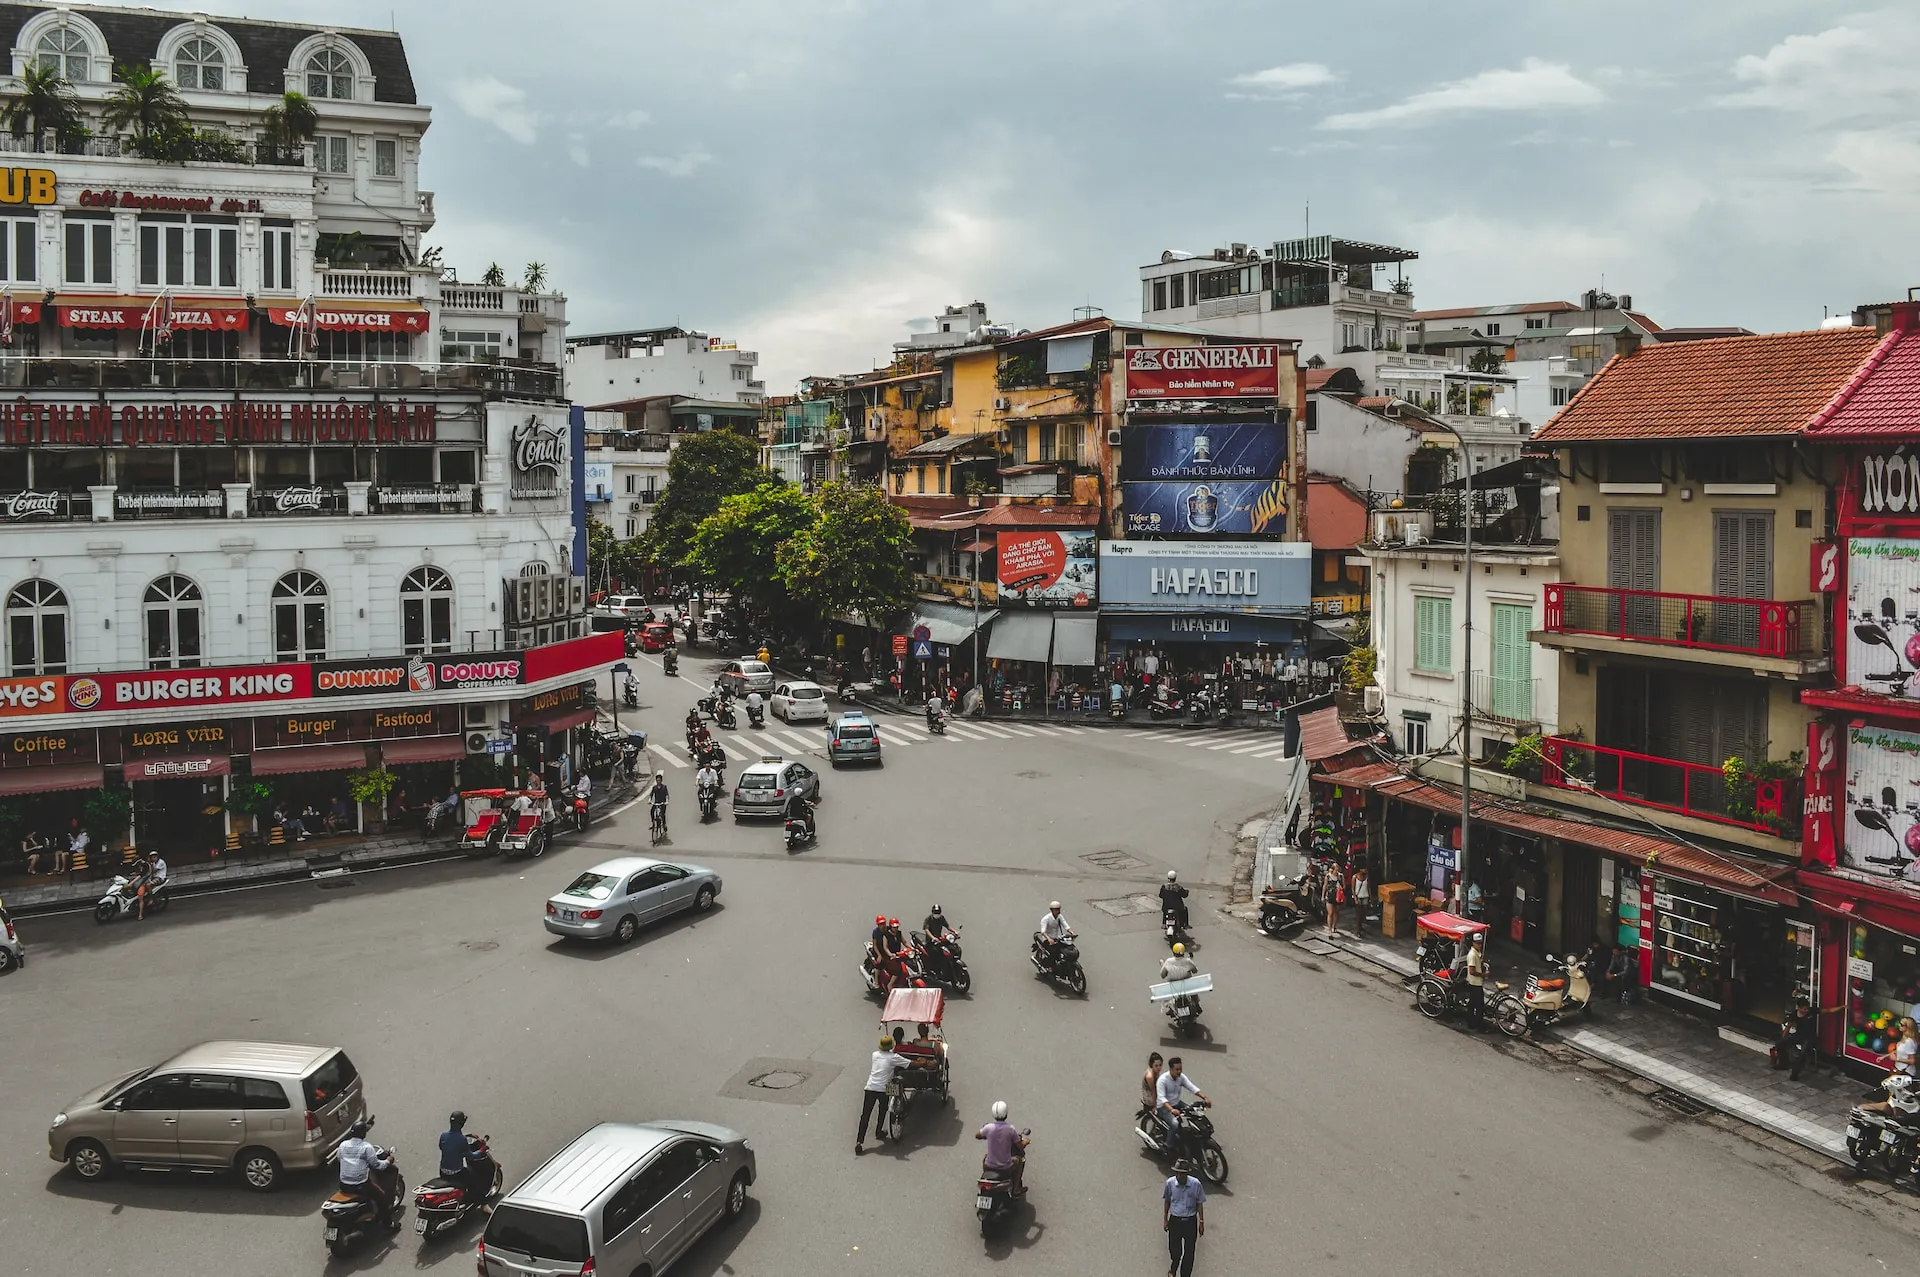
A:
(613, 677)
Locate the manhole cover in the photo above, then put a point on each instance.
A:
(781, 1081)
(1126, 906)
(1675, 1102)
(778, 1080)
(1116, 860)
(479, 946)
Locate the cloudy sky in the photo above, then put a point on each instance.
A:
(809, 177)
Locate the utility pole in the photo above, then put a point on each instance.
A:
(1466, 670)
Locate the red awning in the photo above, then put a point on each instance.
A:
(26, 312)
(179, 768)
(558, 720)
(42, 780)
(422, 749)
(308, 758)
(393, 317)
(224, 314)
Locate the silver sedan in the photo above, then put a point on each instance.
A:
(613, 900)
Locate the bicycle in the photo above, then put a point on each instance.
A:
(659, 821)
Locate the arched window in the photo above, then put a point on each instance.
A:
(300, 617)
(200, 65)
(172, 606)
(63, 50)
(426, 611)
(37, 623)
(534, 567)
(329, 75)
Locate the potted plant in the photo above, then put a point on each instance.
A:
(370, 787)
(107, 814)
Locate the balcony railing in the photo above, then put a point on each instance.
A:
(386, 284)
(226, 150)
(1505, 700)
(461, 297)
(1757, 627)
(1668, 784)
(507, 377)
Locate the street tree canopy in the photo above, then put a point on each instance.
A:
(705, 470)
(853, 557)
(735, 547)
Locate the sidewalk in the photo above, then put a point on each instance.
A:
(1666, 1047)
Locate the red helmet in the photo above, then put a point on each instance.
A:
(880, 920)
(893, 922)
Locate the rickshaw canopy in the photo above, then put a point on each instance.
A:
(914, 1006)
(1450, 925)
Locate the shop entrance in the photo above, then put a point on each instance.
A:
(1772, 957)
(179, 817)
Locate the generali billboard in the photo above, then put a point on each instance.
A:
(1249, 370)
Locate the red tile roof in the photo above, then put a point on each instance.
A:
(1032, 516)
(1324, 736)
(1336, 514)
(1883, 398)
(1728, 387)
(1643, 321)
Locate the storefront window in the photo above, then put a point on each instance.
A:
(1883, 984)
(210, 467)
(281, 467)
(1688, 944)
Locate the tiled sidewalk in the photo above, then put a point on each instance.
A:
(1667, 1047)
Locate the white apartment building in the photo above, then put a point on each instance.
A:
(650, 363)
(257, 523)
(626, 472)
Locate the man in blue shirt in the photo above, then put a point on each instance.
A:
(454, 1152)
(1183, 1216)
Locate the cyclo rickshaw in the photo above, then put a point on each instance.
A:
(1442, 954)
(909, 1009)
(493, 827)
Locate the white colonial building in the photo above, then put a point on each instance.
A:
(655, 363)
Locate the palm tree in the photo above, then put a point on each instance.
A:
(146, 101)
(495, 277)
(44, 101)
(291, 123)
(536, 277)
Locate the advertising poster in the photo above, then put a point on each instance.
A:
(1215, 450)
(1228, 507)
(1882, 831)
(1046, 569)
(1883, 607)
(1250, 370)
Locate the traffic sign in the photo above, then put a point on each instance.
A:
(922, 633)
(899, 645)
(499, 745)
(922, 650)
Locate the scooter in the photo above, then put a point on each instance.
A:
(670, 663)
(1195, 1140)
(1060, 963)
(1174, 929)
(348, 1218)
(941, 961)
(1117, 707)
(916, 977)
(1165, 707)
(798, 835)
(1182, 999)
(439, 1205)
(937, 722)
(725, 716)
(1890, 1136)
(994, 1198)
(756, 717)
(121, 899)
(1547, 1002)
(709, 802)
(1280, 914)
(630, 693)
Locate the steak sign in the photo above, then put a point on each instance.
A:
(1243, 371)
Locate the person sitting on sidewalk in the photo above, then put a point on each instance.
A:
(33, 846)
(292, 826)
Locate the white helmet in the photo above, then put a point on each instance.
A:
(1173, 875)
(999, 1110)
(1053, 905)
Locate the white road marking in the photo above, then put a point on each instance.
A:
(668, 756)
(996, 732)
(966, 733)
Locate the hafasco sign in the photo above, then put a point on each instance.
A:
(537, 448)
(1220, 582)
(33, 186)
(1251, 370)
(1186, 578)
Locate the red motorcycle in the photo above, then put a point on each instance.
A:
(440, 1204)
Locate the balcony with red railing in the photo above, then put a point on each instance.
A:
(1695, 790)
(1785, 636)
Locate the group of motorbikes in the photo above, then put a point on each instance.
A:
(928, 959)
(439, 1205)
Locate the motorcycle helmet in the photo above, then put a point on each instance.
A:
(879, 919)
(1053, 906)
(886, 1043)
(1173, 875)
(936, 909)
(893, 922)
(358, 1130)
(1179, 949)
(999, 1110)
(456, 1119)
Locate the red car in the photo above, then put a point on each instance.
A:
(656, 637)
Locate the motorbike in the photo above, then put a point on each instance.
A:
(940, 958)
(994, 1198)
(630, 693)
(937, 722)
(916, 977)
(1195, 1140)
(633, 643)
(1117, 708)
(670, 663)
(1281, 915)
(439, 1205)
(798, 835)
(1547, 1002)
(1199, 709)
(708, 705)
(1169, 706)
(709, 802)
(756, 717)
(716, 758)
(348, 1218)
(1174, 928)
(725, 716)
(122, 899)
(1889, 1137)
(1059, 963)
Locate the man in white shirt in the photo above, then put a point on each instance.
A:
(1053, 925)
(362, 1169)
(706, 779)
(1477, 980)
(156, 878)
(1167, 1091)
(886, 1061)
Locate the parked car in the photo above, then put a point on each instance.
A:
(622, 1198)
(613, 900)
(853, 738)
(799, 702)
(744, 675)
(763, 787)
(258, 1108)
(12, 952)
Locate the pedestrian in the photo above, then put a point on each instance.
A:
(1477, 981)
(886, 1061)
(1334, 891)
(1904, 1057)
(1362, 897)
(1797, 1036)
(1183, 1217)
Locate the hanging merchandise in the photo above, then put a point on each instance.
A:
(1883, 984)
(1689, 949)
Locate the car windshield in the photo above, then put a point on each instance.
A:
(559, 1239)
(807, 694)
(752, 667)
(855, 731)
(324, 1084)
(757, 780)
(591, 886)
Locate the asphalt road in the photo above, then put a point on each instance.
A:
(1361, 1137)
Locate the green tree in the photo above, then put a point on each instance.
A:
(535, 280)
(145, 101)
(854, 557)
(495, 276)
(705, 470)
(44, 101)
(289, 124)
(735, 546)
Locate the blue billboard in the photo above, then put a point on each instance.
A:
(1219, 508)
(1207, 450)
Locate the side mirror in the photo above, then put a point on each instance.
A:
(1549, 957)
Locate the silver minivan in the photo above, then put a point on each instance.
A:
(259, 1108)
(623, 1198)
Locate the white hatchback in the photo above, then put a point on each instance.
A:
(799, 702)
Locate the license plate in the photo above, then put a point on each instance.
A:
(420, 1225)
(567, 915)
(893, 1088)
(1184, 1012)
(333, 1234)
(1854, 1132)
(983, 1202)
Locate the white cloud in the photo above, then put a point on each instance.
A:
(1880, 162)
(1533, 85)
(628, 119)
(1836, 71)
(681, 165)
(499, 104)
(577, 150)
(1283, 81)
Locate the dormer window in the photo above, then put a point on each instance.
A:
(329, 75)
(64, 52)
(200, 65)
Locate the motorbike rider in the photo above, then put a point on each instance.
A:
(152, 881)
(631, 690)
(706, 781)
(1178, 966)
(363, 1171)
(936, 927)
(456, 1155)
(798, 808)
(1174, 896)
(1053, 929)
(1004, 1146)
(1167, 1092)
(756, 707)
(935, 708)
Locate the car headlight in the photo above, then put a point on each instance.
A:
(59, 1120)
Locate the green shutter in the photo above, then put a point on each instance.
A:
(1512, 662)
(1433, 648)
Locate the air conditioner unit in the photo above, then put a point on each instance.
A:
(1113, 438)
(633, 507)
(476, 742)
(1373, 700)
(1002, 405)
(577, 595)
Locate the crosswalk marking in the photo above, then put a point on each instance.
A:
(1263, 744)
(669, 757)
(964, 734)
(1019, 729)
(994, 732)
